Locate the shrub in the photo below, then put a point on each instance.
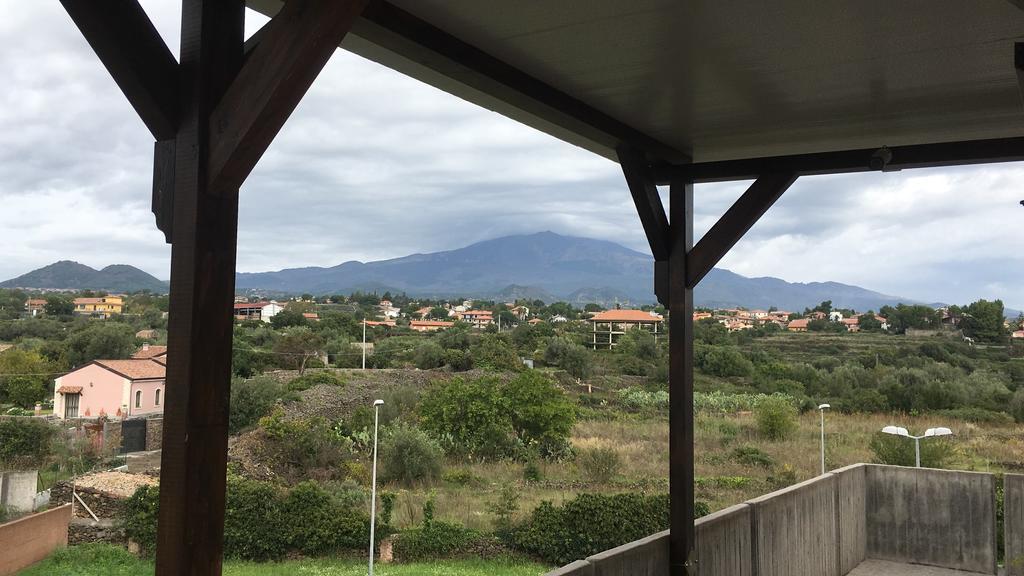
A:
(503, 508)
(261, 520)
(568, 356)
(254, 524)
(639, 399)
(458, 360)
(307, 381)
(725, 361)
(1017, 405)
(531, 472)
(776, 418)
(459, 477)
(540, 413)
(784, 476)
(976, 415)
(139, 517)
(752, 456)
(24, 441)
(599, 464)
(317, 524)
(590, 523)
(900, 451)
(303, 447)
(495, 352)
(437, 539)
(719, 402)
(251, 400)
(428, 356)
(484, 418)
(469, 417)
(409, 455)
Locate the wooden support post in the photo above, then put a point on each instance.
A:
(680, 346)
(194, 460)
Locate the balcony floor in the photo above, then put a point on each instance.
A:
(884, 568)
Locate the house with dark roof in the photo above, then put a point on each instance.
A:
(116, 389)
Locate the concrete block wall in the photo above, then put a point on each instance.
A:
(18, 491)
(1013, 523)
(795, 530)
(935, 517)
(723, 546)
(30, 539)
(828, 525)
(851, 520)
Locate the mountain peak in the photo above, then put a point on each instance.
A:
(71, 275)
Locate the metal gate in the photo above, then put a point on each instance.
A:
(133, 436)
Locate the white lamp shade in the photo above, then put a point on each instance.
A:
(823, 406)
(378, 402)
(938, 432)
(896, 430)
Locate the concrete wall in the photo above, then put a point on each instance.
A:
(851, 522)
(647, 557)
(32, 538)
(935, 517)
(795, 530)
(723, 542)
(828, 525)
(1013, 527)
(19, 490)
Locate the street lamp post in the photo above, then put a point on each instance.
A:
(373, 482)
(822, 408)
(364, 343)
(900, 431)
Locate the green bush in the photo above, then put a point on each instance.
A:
(408, 455)
(459, 477)
(255, 526)
(458, 360)
(24, 441)
(776, 418)
(251, 400)
(262, 521)
(718, 402)
(531, 472)
(317, 525)
(599, 464)
(640, 399)
(311, 379)
(900, 451)
(139, 518)
(436, 539)
(725, 361)
(752, 456)
(590, 523)
(489, 419)
(976, 415)
(429, 355)
(496, 352)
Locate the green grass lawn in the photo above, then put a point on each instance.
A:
(107, 560)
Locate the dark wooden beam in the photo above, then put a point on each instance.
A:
(736, 221)
(163, 186)
(398, 31)
(296, 45)
(194, 460)
(137, 58)
(846, 161)
(680, 344)
(648, 203)
(1018, 64)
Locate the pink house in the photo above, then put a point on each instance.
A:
(112, 388)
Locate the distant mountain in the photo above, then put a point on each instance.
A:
(549, 266)
(74, 276)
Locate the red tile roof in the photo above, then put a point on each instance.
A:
(136, 368)
(430, 323)
(69, 389)
(151, 352)
(798, 323)
(625, 316)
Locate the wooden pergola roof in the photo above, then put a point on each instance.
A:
(715, 80)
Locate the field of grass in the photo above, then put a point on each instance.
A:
(722, 480)
(106, 560)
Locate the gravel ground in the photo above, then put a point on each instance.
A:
(117, 483)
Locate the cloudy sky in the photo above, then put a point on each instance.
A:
(375, 165)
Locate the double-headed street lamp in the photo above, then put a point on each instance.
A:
(900, 431)
(822, 408)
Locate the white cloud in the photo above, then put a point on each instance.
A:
(374, 165)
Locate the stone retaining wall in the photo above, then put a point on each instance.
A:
(102, 504)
